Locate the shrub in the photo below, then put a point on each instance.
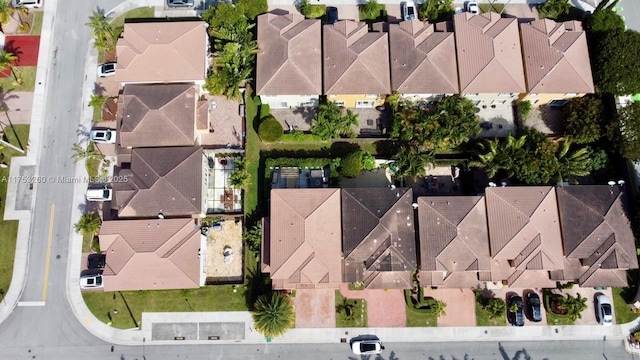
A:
(351, 164)
(253, 8)
(270, 129)
(525, 108)
(311, 11)
(368, 161)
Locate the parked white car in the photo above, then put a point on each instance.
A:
(103, 136)
(473, 7)
(366, 347)
(106, 69)
(408, 10)
(605, 315)
(29, 4)
(101, 194)
(91, 281)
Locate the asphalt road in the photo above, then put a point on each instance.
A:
(631, 13)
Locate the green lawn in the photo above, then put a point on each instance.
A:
(9, 233)
(623, 311)
(252, 154)
(488, 7)
(358, 307)
(138, 13)
(131, 304)
(92, 165)
(28, 74)
(484, 319)
(97, 115)
(420, 319)
(380, 14)
(36, 29)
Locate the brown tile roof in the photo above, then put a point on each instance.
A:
(290, 58)
(597, 235)
(304, 238)
(524, 233)
(157, 115)
(378, 237)
(423, 58)
(165, 51)
(160, 180)
(556, 57)
(489, 56)
(151, 254)
(454, 239)
(356, 61)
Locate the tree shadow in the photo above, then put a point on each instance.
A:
(126, 304)
(257, 284)
(98, 89)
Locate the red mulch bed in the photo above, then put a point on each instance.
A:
(25, 47)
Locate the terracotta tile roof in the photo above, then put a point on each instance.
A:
(454, 239)
(165, 51)
(304, 238)
(597, 235)
(489, 55)
(556, 57)
(290, 58)
(356, 61)
(524, 233)
(157, 115)
(378, 237)
(160, 180)
(423, 58)
(151, 254)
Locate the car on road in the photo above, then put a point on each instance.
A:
(332, 14)
(180, 3)
(29, 4)
(106, 69)
(101, 194)
(533, 307)
(408, 10)
(515, 311)
(96, 261)
(91, 281)
(603, 307)
(103, 136)
(367, 347)
(473, 7)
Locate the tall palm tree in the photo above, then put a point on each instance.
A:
(6, 10)
(411, 162)
(572, 163)
(273, 314)
(89, 224)
(503, 155)
(97, 101)
(496, 307)
(7, 61)
(103, 32)
(574, 306)
(88, 153)
(332, 123)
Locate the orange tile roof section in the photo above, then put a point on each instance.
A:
(157, 115)
(556, 57)
(489, 54)
(454, 239)
(356, 60)
(524, 233)
(165, 180)
(167, 51)
(423, 58)
(305, 238)
(151, 254)
(290, 58)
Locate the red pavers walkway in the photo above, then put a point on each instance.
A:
(25, 47)
(385, 308)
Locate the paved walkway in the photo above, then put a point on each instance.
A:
(460, 309)
(385, 308)
(315, 308)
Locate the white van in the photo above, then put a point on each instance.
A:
(103, 194)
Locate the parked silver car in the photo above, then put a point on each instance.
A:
(603, 307)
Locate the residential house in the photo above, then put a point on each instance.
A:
(599, 245)
(289, 64)
(356, 64)
(556, 61)
(152, 254)
(454, 241)
(524, 235)
(423, 60)
(378, 237)
(302, 239)
(159, 182)
(162, 52)
(489, 58)
(157, 115)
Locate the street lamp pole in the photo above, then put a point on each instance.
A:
(143, 354)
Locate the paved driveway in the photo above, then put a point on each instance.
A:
(315, 308)
(461, 308)
(385, 308)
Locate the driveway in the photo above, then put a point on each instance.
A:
(19, 105)
(385, 308)
(315, 308)
(589, 314)
(461, 308)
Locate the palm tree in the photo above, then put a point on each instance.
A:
(369, 9)
(332, 123)
(496, 307)
(273, 314)
(552, 9)
(347, 307)
(89, 224)
(574, 306)
(7, 61)
(89, 153)
(503, 155)
(103, 33)
(438, 308)
(97, 101)
(6, 10)
(411, 162)
(572, 163)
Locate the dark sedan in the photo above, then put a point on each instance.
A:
(332, 14)
(96, 261)
(533, 307)
(515, 311)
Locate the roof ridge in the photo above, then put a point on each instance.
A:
(367, 49)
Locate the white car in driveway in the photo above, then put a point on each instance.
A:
(106, 69)
(603, 307)
(91, 281)
(29, 4)
(473, 7)
(100, 194)
(103, 136)
(366, 347)
(408, 10)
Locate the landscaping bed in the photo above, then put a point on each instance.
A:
(350, 312)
